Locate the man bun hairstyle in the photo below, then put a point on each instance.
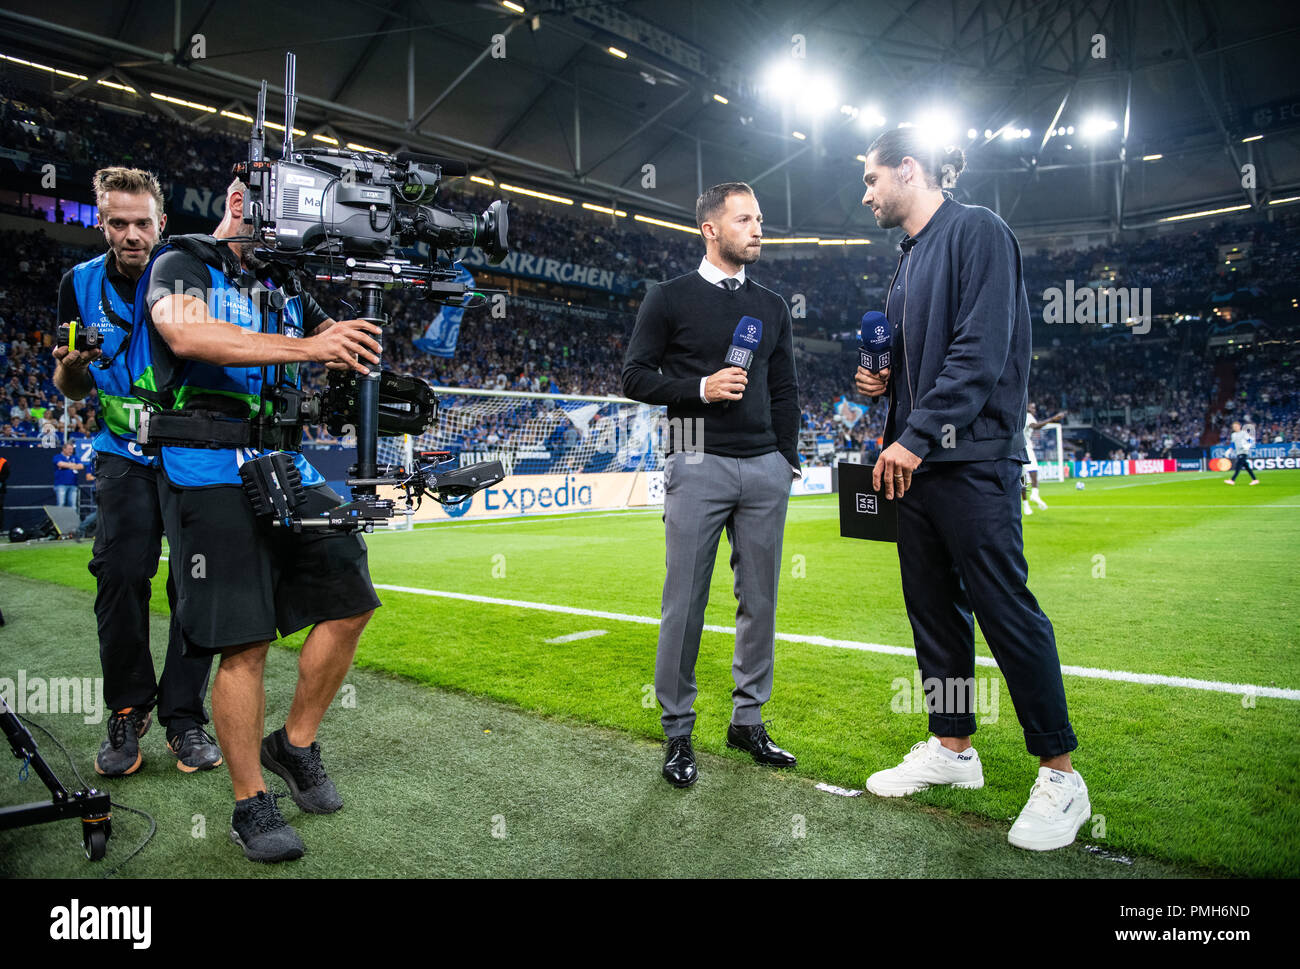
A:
(714, 200)
(941, 166)
(133, 181)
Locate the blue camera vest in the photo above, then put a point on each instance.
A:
(168, 387)
(99, 302)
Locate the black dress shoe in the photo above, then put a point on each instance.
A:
(679, 762)
(755, 741)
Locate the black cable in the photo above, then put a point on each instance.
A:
(153, 825)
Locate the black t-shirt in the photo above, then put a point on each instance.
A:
(177, 271)
(68, 308)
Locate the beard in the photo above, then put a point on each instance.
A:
(886, 218)
(248, 254)
(127, 258)
(739, 254)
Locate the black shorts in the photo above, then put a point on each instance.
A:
(239, 578)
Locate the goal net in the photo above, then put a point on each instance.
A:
(541, 434)
(1050, 451)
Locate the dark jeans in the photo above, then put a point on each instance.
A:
(960, 551)
(128, 542)
(1242, 464)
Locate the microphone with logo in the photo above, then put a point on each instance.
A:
(864, 512)
(876, 341)
(744, 341)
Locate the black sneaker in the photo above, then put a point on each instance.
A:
(301, 769)
(194, 750)
(120, 755)
(259, 828)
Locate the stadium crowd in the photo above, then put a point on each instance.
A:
(1266, 394)
(1151, 394)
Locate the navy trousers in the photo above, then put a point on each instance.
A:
(1242, 464)
(961, 554)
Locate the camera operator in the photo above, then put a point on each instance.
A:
(225, 329)
(100, 294)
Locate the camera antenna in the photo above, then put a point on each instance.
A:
(257, 141)
(290, 101)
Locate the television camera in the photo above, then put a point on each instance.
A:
(340, 214)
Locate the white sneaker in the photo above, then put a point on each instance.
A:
(1027, 510)
(1228, 481)
(1254, 481)
(1058, 806)
(926, 765)
(1039, 502)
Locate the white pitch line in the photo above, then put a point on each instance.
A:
(1159, 479)
(1087, 672)
(574, 637)
(1070, 507)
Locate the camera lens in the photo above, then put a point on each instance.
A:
(496, 230)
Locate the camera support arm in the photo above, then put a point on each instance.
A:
(372, 309)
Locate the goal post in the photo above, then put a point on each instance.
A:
(1050, 451)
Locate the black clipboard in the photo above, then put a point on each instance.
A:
(865, 512)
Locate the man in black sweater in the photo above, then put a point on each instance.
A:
(731, 455)
(955, 446)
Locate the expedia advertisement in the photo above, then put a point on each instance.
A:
(544, 494)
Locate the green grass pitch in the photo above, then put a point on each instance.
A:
(463, 712)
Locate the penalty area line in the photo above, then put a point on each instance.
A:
(1086, 672)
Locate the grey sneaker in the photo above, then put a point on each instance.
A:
(301, 768)
(119, 755)
(194, 750)
(259, 828)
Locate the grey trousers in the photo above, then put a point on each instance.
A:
(747, 496)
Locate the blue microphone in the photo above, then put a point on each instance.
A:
(744, 341)
(875, 342)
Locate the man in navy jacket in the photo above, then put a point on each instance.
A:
(954, 447)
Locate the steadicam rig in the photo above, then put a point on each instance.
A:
(275, 489)
(361, 217)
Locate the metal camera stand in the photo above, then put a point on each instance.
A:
(91, 805)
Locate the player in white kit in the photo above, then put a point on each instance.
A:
(1243, 440)
(1029, 490)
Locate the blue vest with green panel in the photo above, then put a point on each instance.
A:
(102, 307)
(166, 382)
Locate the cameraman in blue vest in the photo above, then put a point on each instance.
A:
(99, 294)
(225, 332)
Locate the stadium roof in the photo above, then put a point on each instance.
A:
(1046, 97)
